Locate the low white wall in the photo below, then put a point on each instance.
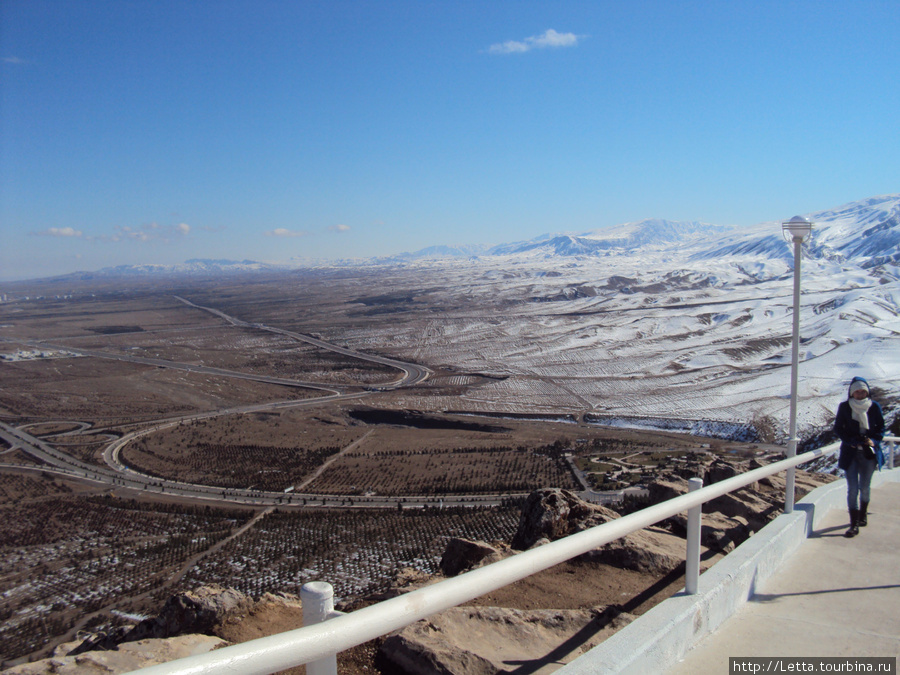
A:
(658, 639)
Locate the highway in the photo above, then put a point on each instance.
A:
(414, 374)
(118, 474)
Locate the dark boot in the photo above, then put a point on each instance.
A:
(854, 524)
(863, 520)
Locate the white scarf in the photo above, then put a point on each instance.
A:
(859, 410)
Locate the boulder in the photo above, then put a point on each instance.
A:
(272, 613)
(652, 550)
(717, 532)
(553, 513)
(721, 469)
(754, 506)
(122, 659)
(464, 554)
(667, 488)
(489, 640)
(197, 611)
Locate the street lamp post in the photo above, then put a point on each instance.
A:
(798, 230)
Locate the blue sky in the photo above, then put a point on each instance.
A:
(154, 131)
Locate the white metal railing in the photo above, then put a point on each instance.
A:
(317, 644)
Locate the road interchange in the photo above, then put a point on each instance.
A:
(116, 473)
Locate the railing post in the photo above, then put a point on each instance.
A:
(317, 598)
(790, 478)
(692, 556)
(890, 461)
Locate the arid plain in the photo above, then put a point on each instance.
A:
(227, 383)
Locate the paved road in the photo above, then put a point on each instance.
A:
(414, 373)
(118, 475)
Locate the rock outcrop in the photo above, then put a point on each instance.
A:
(552, 513)
(189, 623)
(469, 640)
(732, 518)
(487, 640)
(123, 659)
(197, 611)
(464, 554)
(490, 640)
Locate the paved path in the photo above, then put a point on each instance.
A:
(836, 597)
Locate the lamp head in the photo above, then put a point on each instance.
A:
(796, 228)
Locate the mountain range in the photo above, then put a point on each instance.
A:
(866, 232)
(656, 319)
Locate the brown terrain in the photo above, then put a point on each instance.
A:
(89, 558)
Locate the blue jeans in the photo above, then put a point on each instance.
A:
(859, 477)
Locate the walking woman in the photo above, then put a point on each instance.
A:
(860, 426)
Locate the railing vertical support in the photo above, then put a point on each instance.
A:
(692, 557)
(799, 229)
(891, 449)
(317, 598)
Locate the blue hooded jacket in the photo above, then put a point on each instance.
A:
(848, 430)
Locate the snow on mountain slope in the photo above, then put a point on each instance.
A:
(437, 252)
(697, 329)
(653, 319)
(631, 237)
(866, 229)
(867, 232)
(194, 267)
(870, 228)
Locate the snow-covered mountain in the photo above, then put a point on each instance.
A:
(866, 231)
(662, 321)
(193, 267)
(438, 252)
(654, 320)
(623, 239)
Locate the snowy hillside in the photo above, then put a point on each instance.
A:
(194, 267)
(654, 320)
(694, 324)
(630, 237)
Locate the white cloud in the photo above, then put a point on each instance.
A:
(59, 232)
(127, 232)
(148, 232)
(550, 38)
(283, 232)
(145, 233)
(15, 60)
(339, 228)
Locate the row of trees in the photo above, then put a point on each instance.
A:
(65, 557)
(445, 472)
(359, 552)
(229, 465)
(69, 556)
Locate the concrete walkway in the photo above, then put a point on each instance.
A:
(834, 597)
